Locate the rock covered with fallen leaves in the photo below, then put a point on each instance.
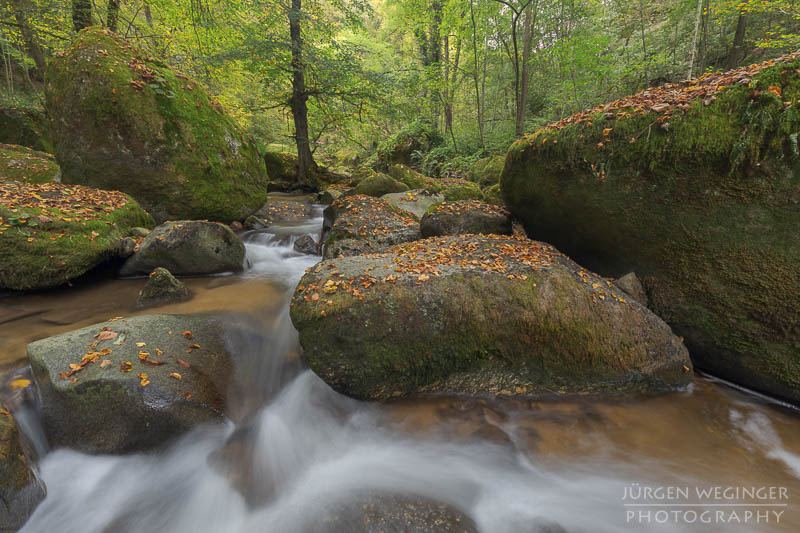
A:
(694, 186)
(52, 233)
(415, 201)
(133, 383)
(125, 121)
(478, 315)
(21, 489)
(464, 217)
(19, 163)
(188, 248)
(162, 288)
(363, 224)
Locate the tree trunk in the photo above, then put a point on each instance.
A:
(738, 41)
(21, 9)
(522, 103)
(305, 160)
(694, 39)
(81, 14)
(148, 15)
(112, 15)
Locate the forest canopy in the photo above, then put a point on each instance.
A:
(341, 76)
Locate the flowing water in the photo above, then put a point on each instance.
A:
(305, 451)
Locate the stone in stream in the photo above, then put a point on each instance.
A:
(465, 216)
(478, 315)
(253, 223)
(307, 245)
(162, 288)
(122, 120)
(188, 248)
(58, 233)
(363, 224)
(378, 185)
(415, 201)
(702, 203)
(329, 195)
(21, 489)
(143, 396)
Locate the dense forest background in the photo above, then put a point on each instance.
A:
(479, 73)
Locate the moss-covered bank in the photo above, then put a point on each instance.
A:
(19, 163)
(700, 199)
(124, 121)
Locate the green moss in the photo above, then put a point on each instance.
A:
(24, 126)
(18, 163)
(149, 131)
(378, 185)
(486, 172)
(60, 250)
(418, 136)
(704, 211)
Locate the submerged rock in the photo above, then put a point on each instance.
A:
(124, 121)
(700, 200)
(416, 201)
(478, 315)
(55, 233)
(188, 248)
(378, 185)
(21, 489)
(18, 163)
(466, 216)
(363, 224)
(162, 288)
(144, 395)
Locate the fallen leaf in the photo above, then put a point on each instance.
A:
(20, 383)
(187, 334)
(140, 344)
(105, 362)
(175, 375)
(183, 363)
(106, 335)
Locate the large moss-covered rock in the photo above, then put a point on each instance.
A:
(475, 315)
(450, 188)
(486, 172)
(698, 192)
(143, 396)
(282, 170)
(363, 224)
(24, 126)
(378, 185)
(465, 216)
(51, 233)
(188, 248)
(19, 163)
(122, 120)
(419, 136)
(21, 490)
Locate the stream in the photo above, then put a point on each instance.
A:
(510, 465)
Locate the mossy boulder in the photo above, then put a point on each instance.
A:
(329, 195)
(21, 489)
(493, 195)
(378, 185)
(188, 248)
(478, 315)
(143, 396)
(18, 163)
(24, 126)
(419, 136)
(282, 171)
(162, 288)
(416, 201)
(450, 188)
(463, 217)
(125, 121)
(363, 224)
(486, 172)
(701, 199)
(52, 233)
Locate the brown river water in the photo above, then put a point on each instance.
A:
(708, 458)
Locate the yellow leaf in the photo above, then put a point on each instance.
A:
(175, 375)
(20, 383)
